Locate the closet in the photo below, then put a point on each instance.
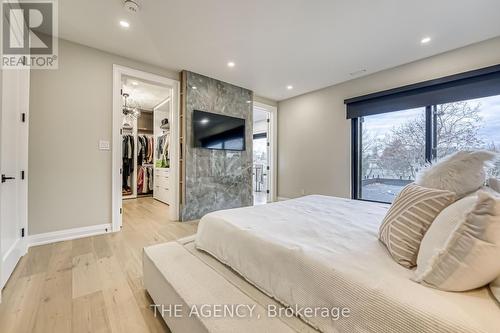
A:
(145, 154)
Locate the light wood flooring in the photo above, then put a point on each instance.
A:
(91, 284)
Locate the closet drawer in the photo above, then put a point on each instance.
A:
(162, 194)
(162, 182)
(162, 172)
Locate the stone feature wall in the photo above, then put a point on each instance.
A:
(216, 179)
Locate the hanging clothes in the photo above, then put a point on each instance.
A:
(150, 153)
(145, 180)
(127, 163)
(140, 179)
(151, 179)
(140, 150)
(145, 149)
(144, 187)
(162, 151)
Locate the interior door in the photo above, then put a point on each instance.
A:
(13, 158)
(261, 157)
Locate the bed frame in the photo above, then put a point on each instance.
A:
(180, 278)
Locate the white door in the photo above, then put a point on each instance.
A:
(13, 168)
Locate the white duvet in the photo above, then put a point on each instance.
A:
(320, 251)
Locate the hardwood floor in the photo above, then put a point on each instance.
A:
(91, 284)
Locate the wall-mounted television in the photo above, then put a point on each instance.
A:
(216, 131)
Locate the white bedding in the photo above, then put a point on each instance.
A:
(323, 251)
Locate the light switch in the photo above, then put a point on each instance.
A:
(104, 145)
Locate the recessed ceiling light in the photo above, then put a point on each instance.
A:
(289, 87)
(135, 83)
(194, 87)
(124, 24)
(231, 64)
(248, 102)
(425, 40)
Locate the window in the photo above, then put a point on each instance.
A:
(392, 152)
(470, 124)
(395, 133)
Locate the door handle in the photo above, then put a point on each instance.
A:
(4, 178)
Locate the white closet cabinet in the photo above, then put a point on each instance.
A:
(162, 184)
(161, 174)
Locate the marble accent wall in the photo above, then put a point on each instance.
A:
(216, 179)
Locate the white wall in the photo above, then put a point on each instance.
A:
(71, 109)
(314, 135)
(264, 100)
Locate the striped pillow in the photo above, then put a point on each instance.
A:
(408, 219)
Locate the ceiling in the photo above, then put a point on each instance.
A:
(303, 43)
(146, 94)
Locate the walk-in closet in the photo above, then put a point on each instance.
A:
(145, 140)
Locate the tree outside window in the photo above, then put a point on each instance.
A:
(393, 144)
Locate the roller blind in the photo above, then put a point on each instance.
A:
(469, 85)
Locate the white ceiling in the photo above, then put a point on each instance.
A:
(275, 43)
(146, 94)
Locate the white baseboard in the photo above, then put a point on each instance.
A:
(68, 234)
(283, 198)
(9, 261)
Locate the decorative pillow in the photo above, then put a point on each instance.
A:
(494, 184)
(408, 219)
(462, 172)
(470, 256)
(495, 289)
(443, 226)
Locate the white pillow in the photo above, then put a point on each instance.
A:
(462, 172)
(494, 184)
(442, 227)
(495, 289)
(469, 258)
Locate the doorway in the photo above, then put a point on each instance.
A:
(264, 141)
(145, 143)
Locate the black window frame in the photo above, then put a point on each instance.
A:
(478, 81)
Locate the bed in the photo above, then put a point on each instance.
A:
(312, 252)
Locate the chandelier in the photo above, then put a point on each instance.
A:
(130, 108)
